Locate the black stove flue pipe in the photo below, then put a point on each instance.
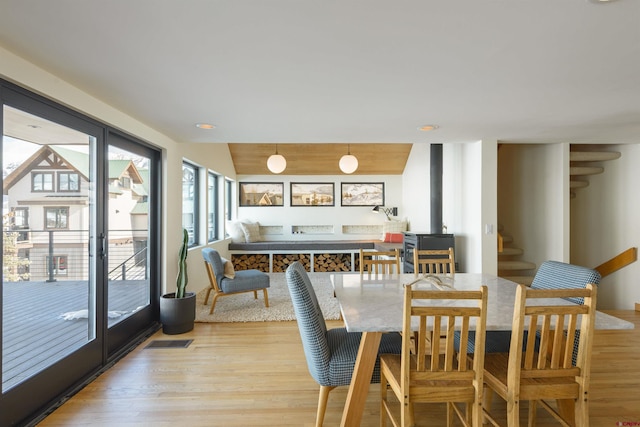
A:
(436, 188)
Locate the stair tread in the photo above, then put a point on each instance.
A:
(585, 170)
(593, 156)
(516, 265)
(510, 252)
(578, 184)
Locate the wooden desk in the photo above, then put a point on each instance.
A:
(372, 304)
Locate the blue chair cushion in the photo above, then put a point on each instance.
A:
(245, 280)
(343, 347)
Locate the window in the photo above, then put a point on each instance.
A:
(228, 208)
(68, 181)
(19, 218)
(212, 211)
(56, 218)
(42, 181)
(59, 264)
(190, 201)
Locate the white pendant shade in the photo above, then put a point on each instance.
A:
(348, 163)
(276, 163)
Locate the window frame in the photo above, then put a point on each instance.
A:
(212, 206)
(59, 181)
(194, 238)
(58, 208)
(35, 174)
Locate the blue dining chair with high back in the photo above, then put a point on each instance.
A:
(223, 283)
(331, 353)
(550, 275)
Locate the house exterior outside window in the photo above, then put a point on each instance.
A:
(41, 181)
(68, 182)
(56, 218)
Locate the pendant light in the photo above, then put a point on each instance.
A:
(276, 163)
(348, 162)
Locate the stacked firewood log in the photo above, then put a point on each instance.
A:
(332, 262)
(250, 261)
(282, 261)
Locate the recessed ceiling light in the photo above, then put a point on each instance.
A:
(205, 126)
(601, 1)
(427, 128)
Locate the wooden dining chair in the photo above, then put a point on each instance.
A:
(540, 365)
(434, 261)
(380, 262)
(431, 373)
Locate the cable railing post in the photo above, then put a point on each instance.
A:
(50, 263)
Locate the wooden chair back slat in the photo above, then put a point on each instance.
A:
(434, 261)
(380, 262)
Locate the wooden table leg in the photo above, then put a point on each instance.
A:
(361, 379)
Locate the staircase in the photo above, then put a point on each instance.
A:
(581, 165)
(510, 266)
(584, 161)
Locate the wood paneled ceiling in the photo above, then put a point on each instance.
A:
(321, 159)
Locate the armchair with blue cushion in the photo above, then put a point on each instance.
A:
(331, 354)
(243, 280)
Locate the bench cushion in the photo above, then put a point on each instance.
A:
(302, 245)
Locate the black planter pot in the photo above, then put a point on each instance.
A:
(177, 314)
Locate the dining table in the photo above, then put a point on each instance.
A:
(373, 304)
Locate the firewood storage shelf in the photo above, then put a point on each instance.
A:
(315, 256)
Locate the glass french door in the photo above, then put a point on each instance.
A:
(78, 245)
(132, 191)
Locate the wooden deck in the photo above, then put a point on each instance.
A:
(34, 332)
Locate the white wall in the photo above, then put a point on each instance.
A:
(605, 222)
(468, 202)
(532, 199)
(335, 216)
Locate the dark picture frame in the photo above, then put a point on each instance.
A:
(362, 194)
(312, 194)
(261, 194)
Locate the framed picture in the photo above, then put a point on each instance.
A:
(312, 194)
(362, 193)
(261, 194)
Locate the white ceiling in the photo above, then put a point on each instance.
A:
(526, 71)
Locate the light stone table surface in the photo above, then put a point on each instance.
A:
(372, 304)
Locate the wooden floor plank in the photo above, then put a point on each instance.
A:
(255, 374)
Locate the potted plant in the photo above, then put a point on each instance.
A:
(178, 309)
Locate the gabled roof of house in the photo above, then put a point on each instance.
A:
(64, 158)
(118, 167)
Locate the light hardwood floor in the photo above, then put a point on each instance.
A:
(255, 374)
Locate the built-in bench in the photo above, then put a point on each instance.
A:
(315, 255)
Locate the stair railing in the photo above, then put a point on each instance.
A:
(617, 262)
(124, 268)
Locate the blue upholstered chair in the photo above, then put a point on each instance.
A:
(331, 354)
(244, 280)
(550, 275)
